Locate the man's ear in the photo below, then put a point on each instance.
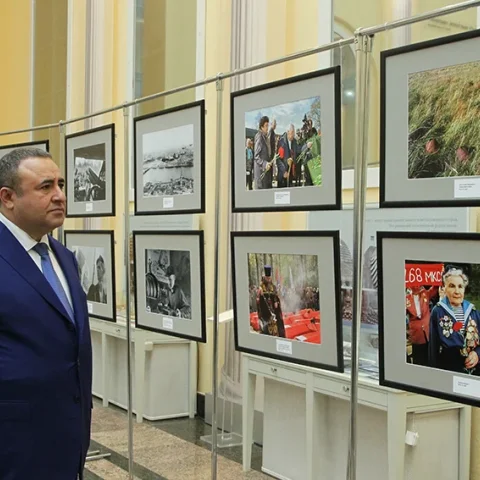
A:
(6, 197)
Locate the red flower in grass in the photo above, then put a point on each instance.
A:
(457, 326)
(281, 153)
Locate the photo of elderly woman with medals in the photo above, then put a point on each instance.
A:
(454, 327)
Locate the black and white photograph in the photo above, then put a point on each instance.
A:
(42, 144)
(430, 135)
(94, 253)
(168, 162)
(169, 283)
(287, 305)
(169, 174)
(92, 271)
(429, 287)
(286, 149)
(89, 163)
(90, 172)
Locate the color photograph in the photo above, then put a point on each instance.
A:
(283, 145)
(442, 322)
(92, 272)
(89, 173)
(284, 296)
(168, 283)
(443, 113)
(168, 162)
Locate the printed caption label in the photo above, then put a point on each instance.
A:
(466, 386)
(167, 323)
(284, 347)
(167, 202)
(282, 198)
(89, 307)
(89, 207)
(467, 188)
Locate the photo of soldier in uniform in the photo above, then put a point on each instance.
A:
(444, 131)
(284, 296)
(92, 271)
(442, 322)
(283, 145)
(168, 283)
(168, 162)
(89, 173)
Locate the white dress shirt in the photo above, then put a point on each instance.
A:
(27, 242)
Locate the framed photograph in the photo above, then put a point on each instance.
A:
(95, 254)
(286, 144)
(169, 156)
(43, 144)
(429, 290)
(170, 288)
(287, 305)
(430, 134)
(378, 219)
(90, 172)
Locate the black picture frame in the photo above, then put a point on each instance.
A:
(85, 139)
(180, 240)
(326, 246)
(187, 114)
(421, 379)
(32, 144)
(396, 185)
(95, 310)
(301, 197)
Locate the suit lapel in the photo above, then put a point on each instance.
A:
(71, 275)
(16, 256)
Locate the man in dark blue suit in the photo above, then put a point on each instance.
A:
(45, 346)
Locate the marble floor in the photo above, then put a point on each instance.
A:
(164, 450)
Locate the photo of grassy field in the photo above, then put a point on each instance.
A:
(444, 122)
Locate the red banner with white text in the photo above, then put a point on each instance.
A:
(428, 274)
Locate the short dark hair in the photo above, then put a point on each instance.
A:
(10, 163)
(263, 121)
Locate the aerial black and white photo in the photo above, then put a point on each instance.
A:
(168, 167)
(92, 271)
(89, 173)
(167, 283)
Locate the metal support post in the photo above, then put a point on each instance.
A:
(363, 44)
(216, 316)
(126, 190)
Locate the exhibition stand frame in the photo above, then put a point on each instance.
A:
(318, 384)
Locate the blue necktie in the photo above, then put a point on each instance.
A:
(52, 277)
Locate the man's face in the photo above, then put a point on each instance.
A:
(291, 135)
(171, 281)
(268, 279)
(100, 271)
(39, 205)
(264, 128)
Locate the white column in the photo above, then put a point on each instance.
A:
(200, 46)
(325, 31)
(401, 9)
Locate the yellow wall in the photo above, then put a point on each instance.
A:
(15, 41)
